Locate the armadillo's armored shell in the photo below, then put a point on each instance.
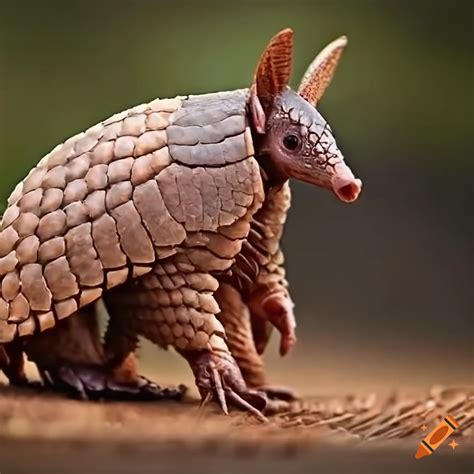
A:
(105, 205)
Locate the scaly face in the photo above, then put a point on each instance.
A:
(301, 145)
(295, 138)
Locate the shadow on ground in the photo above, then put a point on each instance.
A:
(44, 433)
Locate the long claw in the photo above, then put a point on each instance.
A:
(200, 410)
(244, 404)
(219, 390)
(205, 400)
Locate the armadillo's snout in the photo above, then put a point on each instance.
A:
(346, 187)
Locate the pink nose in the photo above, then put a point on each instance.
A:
(346, 188)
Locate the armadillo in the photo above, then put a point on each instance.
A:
(171, 214)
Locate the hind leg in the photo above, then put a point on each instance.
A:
(121, 340)
(70, 359)
(12, 363)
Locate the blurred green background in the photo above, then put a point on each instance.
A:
(383, 287)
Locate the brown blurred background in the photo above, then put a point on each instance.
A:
(384, 287)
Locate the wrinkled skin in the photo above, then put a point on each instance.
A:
(301, 146)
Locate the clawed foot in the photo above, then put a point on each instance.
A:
(275, 309)
(219, 378)
(94, 383)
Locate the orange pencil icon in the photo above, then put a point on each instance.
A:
(436, 437)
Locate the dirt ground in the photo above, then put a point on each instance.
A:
(45, 433)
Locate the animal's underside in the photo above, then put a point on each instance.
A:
(171, 214)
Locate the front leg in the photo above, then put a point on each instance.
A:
(235, 317)
(271, 303)
(259, 272)
(218, 377)
(179, 309)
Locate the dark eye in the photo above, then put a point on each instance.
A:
(291, 142)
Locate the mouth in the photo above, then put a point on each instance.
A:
(346, 187)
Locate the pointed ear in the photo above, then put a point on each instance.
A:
(274, 68)
(320, 72)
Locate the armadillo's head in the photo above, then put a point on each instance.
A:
(295, 138)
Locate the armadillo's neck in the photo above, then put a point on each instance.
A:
(270, 176)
